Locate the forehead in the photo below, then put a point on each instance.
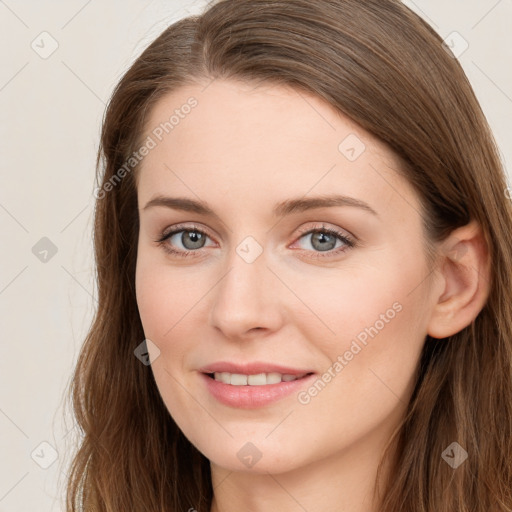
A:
(237, 138)
(227, 111)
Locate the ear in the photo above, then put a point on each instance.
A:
(464, 269)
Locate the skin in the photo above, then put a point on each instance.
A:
(243, 149)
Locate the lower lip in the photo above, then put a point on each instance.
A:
(252, 397)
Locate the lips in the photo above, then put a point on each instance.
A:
(253, 396)
(255, 384)
(253, 368)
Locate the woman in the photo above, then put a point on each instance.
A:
(304, 272)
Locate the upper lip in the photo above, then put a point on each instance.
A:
(252, 368)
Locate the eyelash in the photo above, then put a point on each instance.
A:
(347, 240)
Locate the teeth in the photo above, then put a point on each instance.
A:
(238, 379)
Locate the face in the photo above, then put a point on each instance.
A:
(250, 273)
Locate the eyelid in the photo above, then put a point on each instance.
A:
(324, 227)
(176, 228)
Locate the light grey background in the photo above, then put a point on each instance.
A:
(52, 107)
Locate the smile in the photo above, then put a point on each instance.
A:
(250, 392)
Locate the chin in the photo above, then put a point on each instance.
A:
(248, 457)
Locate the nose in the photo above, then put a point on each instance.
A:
(247, 299)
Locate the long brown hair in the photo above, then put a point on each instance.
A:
(381, 65)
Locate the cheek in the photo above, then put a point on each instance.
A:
(151, 295)
(342, 303)
(370, 325)
(370, 361)
(164, 296)
(166, 313)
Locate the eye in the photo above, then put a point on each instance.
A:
(324, 240)
(191, 239)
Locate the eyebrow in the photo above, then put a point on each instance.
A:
(283, 208)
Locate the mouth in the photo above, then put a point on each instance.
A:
(252, 391)
(259, 379)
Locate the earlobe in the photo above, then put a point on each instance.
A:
(464, 268)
